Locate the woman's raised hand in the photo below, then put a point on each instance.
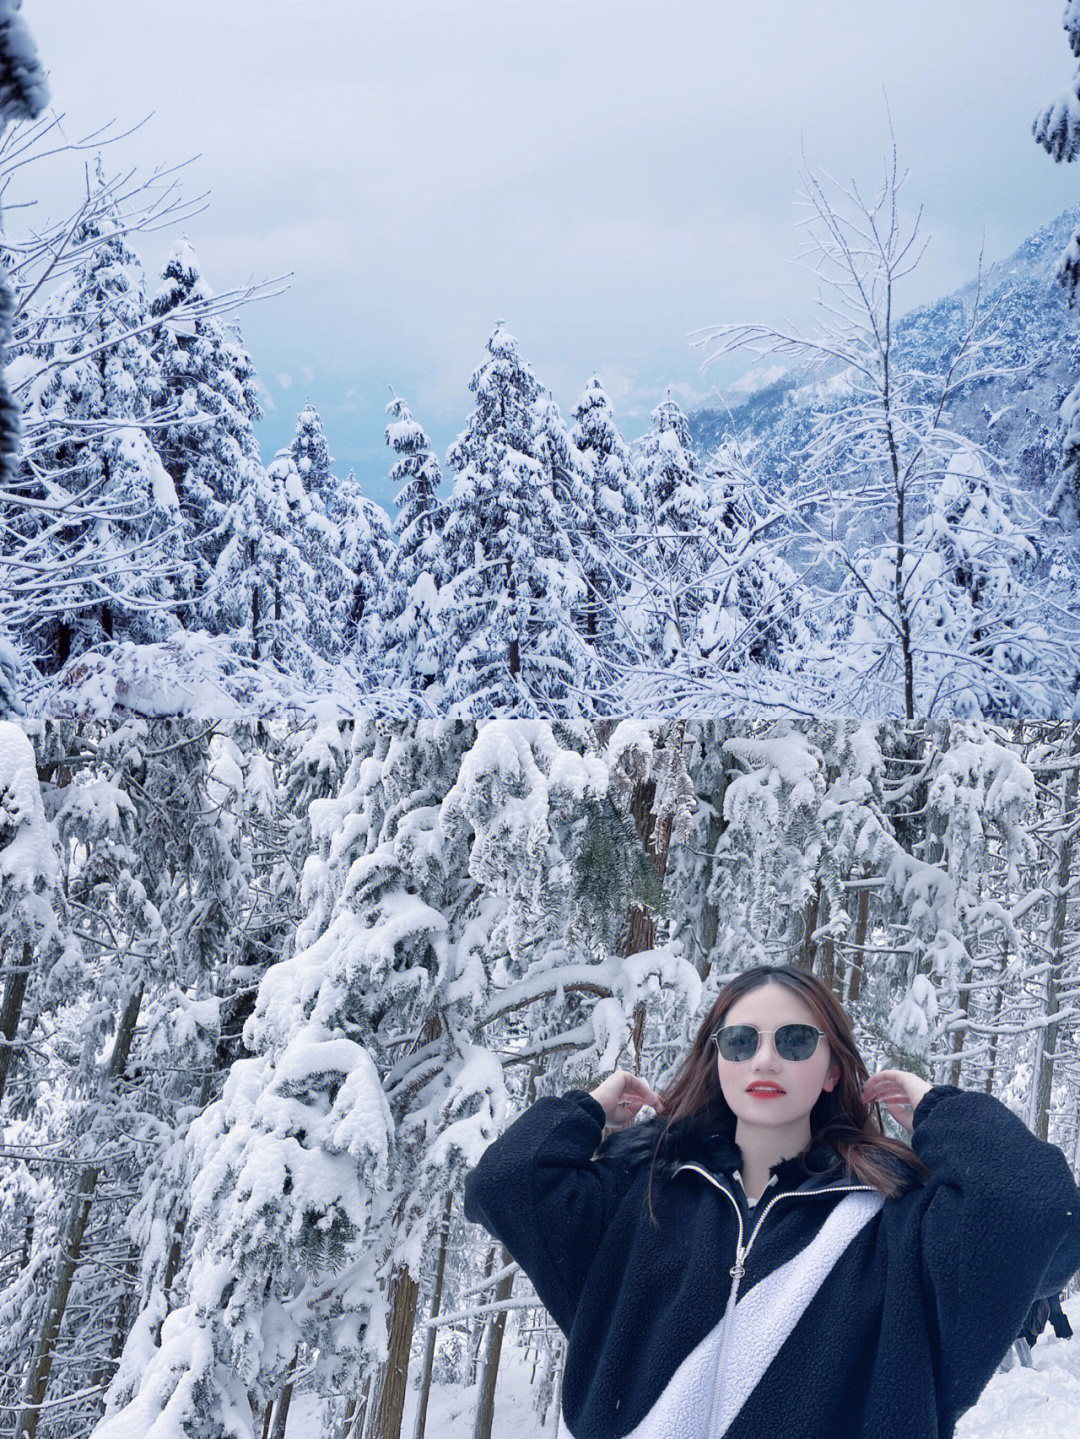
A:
(899, 1090)
(621, 1095)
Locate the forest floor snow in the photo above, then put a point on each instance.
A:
(1038, 1403)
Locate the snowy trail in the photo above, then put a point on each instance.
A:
(1038, 1403)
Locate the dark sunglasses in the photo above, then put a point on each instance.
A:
(739, 1042)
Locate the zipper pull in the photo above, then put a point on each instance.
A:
(737, 1271)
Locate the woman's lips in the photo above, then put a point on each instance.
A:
(766, 1093)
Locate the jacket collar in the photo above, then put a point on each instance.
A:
(715, 1150)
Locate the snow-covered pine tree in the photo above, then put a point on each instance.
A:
(1057, 129)
(319, 543)
(756, 612)
(300, 1179)
(92, 1116)
(566, 475)
(312, 457)
(100, 382)
(672, 584)
(416, 569)
(53, 555)
(264, 590)
(367, 545)
(210, 449)
(504, 637)
(606, 526)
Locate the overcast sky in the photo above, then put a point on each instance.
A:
(603, 177)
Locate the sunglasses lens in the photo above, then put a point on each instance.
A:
(796, 1041)
(739, 1042)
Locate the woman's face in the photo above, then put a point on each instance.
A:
(802, 1080)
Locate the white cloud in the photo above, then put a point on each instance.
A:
(284, 381)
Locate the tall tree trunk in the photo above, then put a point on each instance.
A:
(281, 1410)
(827, 951)
(655, 834)
(255, 616)
(37, 1378)
(476, 1338)
(347, 1422)
(389, 1400)
(999, 990)
(489, 1373)
(804, 955)
(710, 913)
(558, 1390)
(1046, 1038)
(436, 1298)
(361, 1409)
(176, 1247)
(862, 929)
(124, 1316)
(960, 1035)
(14, 993)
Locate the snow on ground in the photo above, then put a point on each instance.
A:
(1038, 1403)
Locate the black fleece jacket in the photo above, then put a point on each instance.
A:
(839, 1315)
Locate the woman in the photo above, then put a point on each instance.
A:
(743, 1265)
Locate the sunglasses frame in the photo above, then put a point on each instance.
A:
(795, 1024)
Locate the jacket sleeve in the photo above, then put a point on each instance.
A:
(537, 1189)
(1000, 1227)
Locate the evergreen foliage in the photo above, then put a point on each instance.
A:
(505, 642)
(416, 567)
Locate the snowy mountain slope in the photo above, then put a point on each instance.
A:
(1016, 418)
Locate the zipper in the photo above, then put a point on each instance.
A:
(738, 1269)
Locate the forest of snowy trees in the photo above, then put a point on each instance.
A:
(549, 566)
(270, 989)
(330, 840)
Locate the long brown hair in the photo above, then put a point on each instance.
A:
(840, 1116)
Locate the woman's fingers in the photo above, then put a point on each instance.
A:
(635, 1094)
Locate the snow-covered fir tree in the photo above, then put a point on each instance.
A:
(671, 586)
(209, 450)
(100, 388)
(312, 457)
(607, 526)
(416, 568)
(23, 96)
(367, 545)
(505, 638)
(756, 612)
(566, 475)
(319, 542)
(264, 591)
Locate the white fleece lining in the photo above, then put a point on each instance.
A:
(761, 1322)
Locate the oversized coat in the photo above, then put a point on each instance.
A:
(827, 1310)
